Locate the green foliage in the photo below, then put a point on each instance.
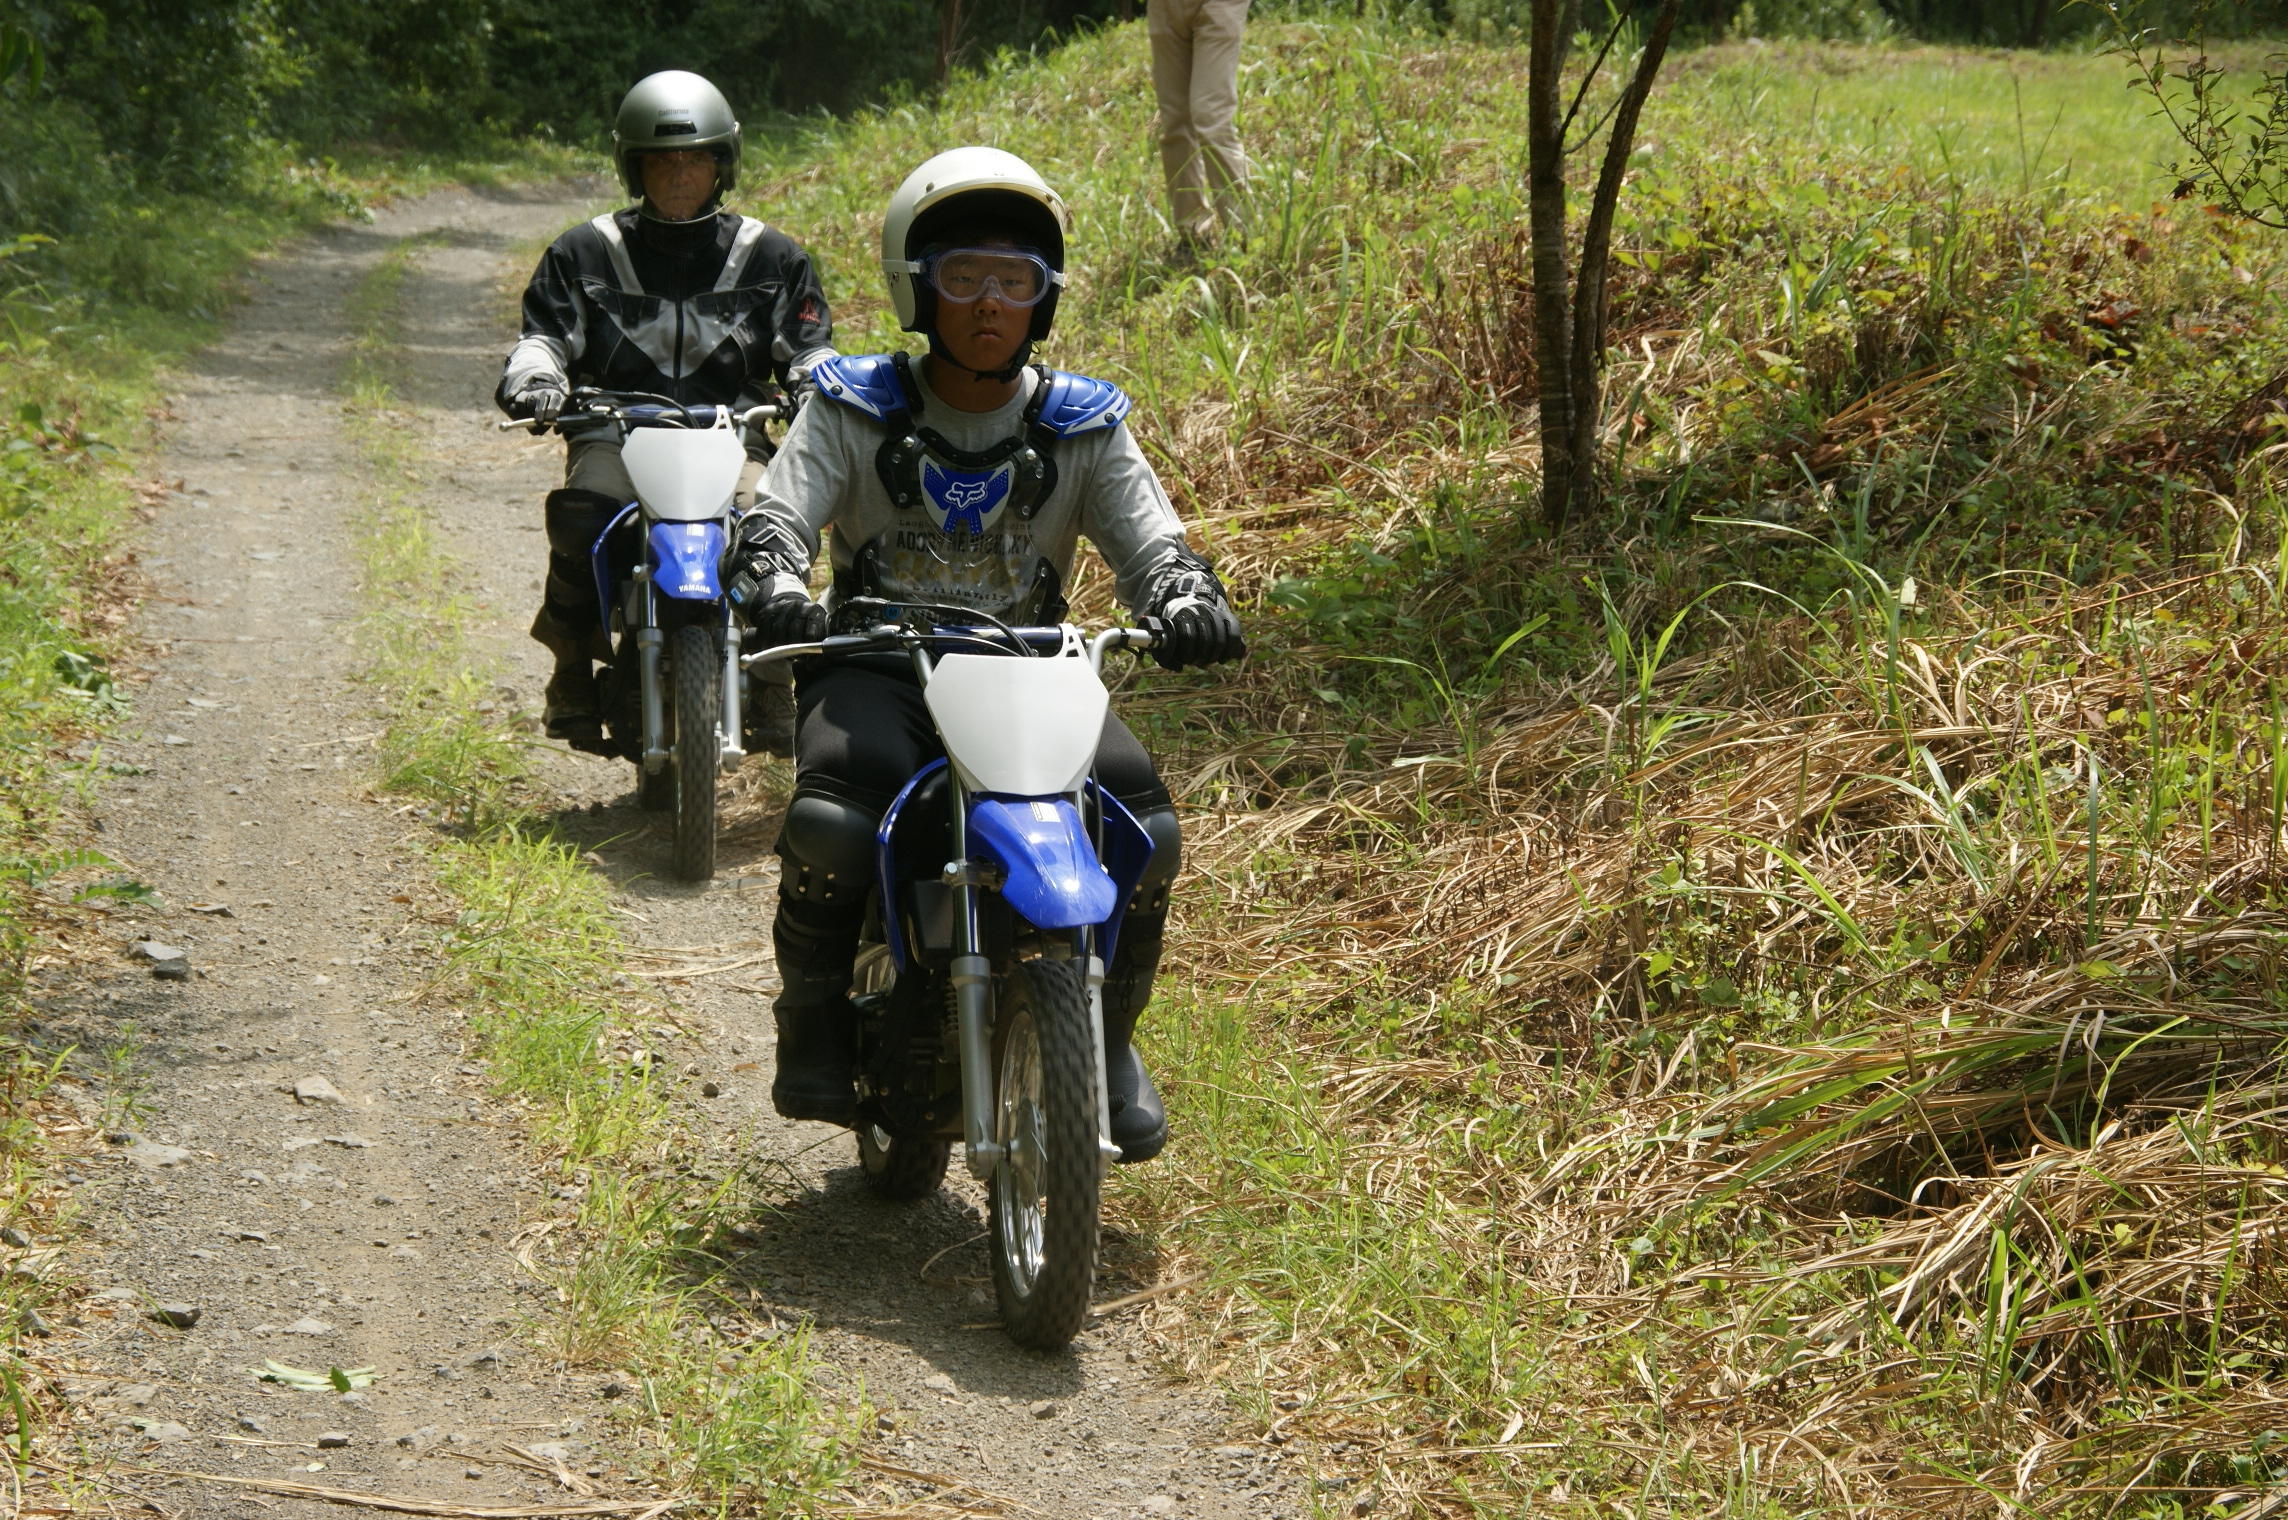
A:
(2235, 134)
(20, 55)
(1617, 964)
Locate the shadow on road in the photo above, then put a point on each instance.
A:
(910, 1274)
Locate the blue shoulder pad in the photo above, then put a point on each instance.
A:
(863, 382)
(1080, 404)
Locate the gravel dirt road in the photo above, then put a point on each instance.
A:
(373, 1219)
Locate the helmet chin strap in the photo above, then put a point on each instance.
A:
(706, 213)
(1010, 371)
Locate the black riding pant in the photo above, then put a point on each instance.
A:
(865, 730)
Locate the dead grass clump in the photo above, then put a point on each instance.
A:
(1923, 1010)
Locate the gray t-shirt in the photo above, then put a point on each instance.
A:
(824, 476)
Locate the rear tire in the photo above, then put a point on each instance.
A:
(1045, 1193)
(695, 663)
(901, 1168)
(897, 1168)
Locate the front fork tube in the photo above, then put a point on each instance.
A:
(972, 975)
(649, 642)
(734, 697)
(1106, 1151)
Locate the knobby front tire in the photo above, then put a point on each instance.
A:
(1044, 1195)
(695, 662)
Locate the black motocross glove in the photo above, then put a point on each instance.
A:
(760, 552)
(1190, 617)
(789, 618)
(541, 402)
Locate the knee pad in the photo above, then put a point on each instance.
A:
(1151, 894)
(576, 519)
(826, 850)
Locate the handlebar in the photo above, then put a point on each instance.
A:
(589, 407)
(899, 635)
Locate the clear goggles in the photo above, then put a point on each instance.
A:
(1012, 276)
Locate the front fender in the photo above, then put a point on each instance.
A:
(1054, 878)
(687, 555)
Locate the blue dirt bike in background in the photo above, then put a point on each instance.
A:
(674, 696)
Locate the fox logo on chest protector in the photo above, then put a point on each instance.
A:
(964, 502)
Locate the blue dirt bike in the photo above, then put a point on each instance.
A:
(673, 695)
(1002, 874)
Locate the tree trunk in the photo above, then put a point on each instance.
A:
(948, 37)
(1545, 197)
(1587, 359)
(2038, 24)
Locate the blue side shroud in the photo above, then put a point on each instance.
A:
(600, 564)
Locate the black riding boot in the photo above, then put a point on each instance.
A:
(1139, 1122)
(568, 624)
(817, 1028)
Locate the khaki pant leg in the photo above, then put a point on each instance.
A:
(1169, 24)
(1215, 101)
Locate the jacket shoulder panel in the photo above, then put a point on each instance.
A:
(863, 382)
(1082, 404)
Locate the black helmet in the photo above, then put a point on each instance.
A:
(671, 110)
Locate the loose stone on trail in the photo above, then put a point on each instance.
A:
(178, 1316)
(169, 963)
(317, 1090)
(151, 1153)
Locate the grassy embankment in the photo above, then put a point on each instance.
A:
(86, 330)
(731, 1409)
(1768, 1004)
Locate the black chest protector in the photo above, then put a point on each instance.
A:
(911, 445)
(953, 496)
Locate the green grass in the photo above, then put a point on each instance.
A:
(727, 1412)
(1768, 1004)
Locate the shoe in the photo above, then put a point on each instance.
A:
(568, 708)
(770, 718)
(1139, 1119)
(818, 1049)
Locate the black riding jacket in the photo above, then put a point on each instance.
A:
(701, 312)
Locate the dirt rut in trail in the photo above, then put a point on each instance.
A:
(380, 1229)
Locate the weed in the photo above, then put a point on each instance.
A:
(1770, 1005)
(532, 956)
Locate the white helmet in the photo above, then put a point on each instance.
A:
(953, 197)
